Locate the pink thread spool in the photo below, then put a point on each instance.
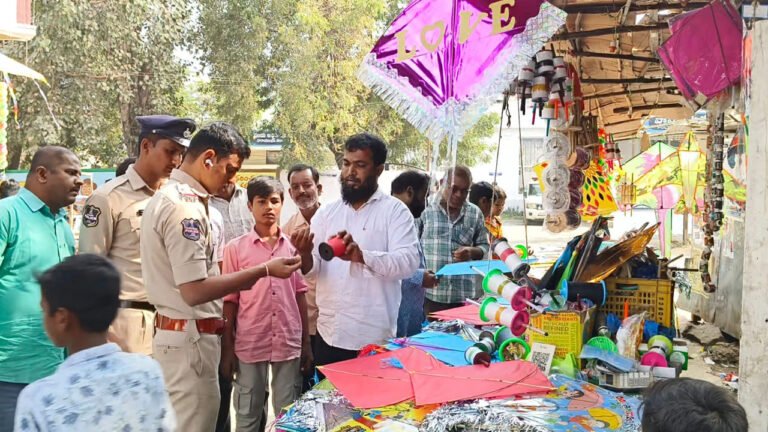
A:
(506, 253)
(335, 247)
(517, 322)
(496, 283)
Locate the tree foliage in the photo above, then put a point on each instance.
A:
(106, 62)
(283, 65)
(308, 53)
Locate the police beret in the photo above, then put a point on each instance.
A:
(174, 128)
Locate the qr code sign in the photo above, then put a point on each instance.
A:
(542, 356)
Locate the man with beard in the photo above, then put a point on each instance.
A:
(305, 189)
(34, 236)
(112, 217)
(358, 293)
(411, 188)
(452, 230)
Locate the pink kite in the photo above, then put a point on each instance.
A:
(470, 314)
(703, 55)
(445, 384)
(409, 373)
(378, 380)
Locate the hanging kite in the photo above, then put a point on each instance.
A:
(441, 64)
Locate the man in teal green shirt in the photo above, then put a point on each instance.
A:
(34, 236)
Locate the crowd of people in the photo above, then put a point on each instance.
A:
(189, 294)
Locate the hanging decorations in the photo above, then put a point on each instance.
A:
(442, 64)
(546, 81)
(713, 199)
(703, 55)
(555, 177)
(598, 198)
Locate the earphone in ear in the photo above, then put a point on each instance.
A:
(208, 163)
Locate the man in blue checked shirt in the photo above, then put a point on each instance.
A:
(411, 187)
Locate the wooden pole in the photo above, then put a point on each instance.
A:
(624, 110)
(628, 92)
(616, 56)
(609, 31)
(613, 7)
(753, 357)
(641, 80)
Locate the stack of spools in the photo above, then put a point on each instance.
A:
(577, 163)
(556, 178)
(502, 343)
(545, 81)
(713, 201)
(660, 348)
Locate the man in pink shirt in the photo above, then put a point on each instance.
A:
(270, 320)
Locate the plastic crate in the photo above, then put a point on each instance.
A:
(654, 296)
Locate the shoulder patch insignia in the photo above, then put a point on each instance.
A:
(191, 229)
(189, 197)
(91, 215)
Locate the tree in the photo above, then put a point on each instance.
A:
(308, 54)
(106, 63)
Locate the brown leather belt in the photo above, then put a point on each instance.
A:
(129, 304)
(208, 325)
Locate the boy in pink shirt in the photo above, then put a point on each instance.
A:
(269, 322)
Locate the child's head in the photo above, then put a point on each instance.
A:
(481, 194)
(80, 296)
(265, 199)
(689, 405)
(499, 201)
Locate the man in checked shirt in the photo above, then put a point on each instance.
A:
(452, 230)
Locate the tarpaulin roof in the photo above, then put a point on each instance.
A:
(613, 46)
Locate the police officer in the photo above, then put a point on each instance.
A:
(182, 278)
(112, 220)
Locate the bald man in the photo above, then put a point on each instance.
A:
(34, 236)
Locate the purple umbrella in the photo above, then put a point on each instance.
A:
(441, 63)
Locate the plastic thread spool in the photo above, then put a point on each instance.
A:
(527, 72)
(659, 348)
(576, 200)
(334, 247)
(572, 217)
(557, 146)
(513, 349)
(475, 355)
(496, 283)
(568, 83)
(556, 176)
(576, 180)
(662, 342)
(654, 358)
(548, 113)
(555, 222)
(506, 253)
(501, 334)
(521, 250)
(517, 322)
(540, 90)
(561, 72)
(595, 292)
(556, 200)
(486, 339)
(604, 343)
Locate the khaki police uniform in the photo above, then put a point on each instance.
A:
(177, 248)
(110, 227)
